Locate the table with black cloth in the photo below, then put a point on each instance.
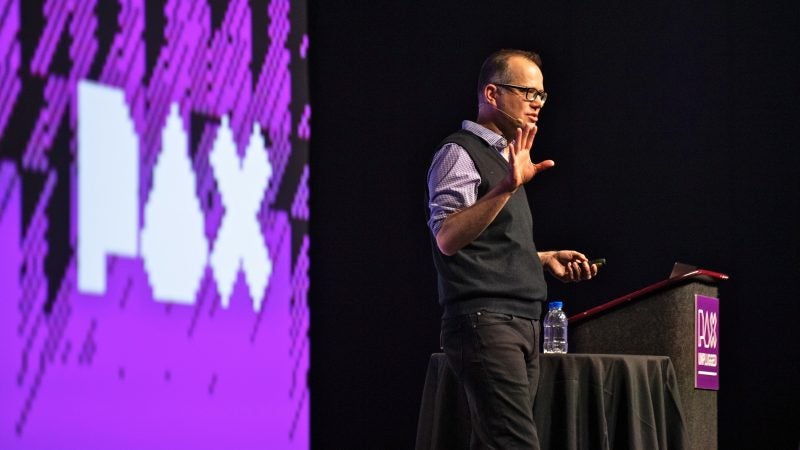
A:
(584, 401)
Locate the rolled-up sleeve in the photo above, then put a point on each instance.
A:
(453, 184)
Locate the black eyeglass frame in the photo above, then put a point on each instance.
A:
(530, 92)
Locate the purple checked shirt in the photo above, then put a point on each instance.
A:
(453, 179)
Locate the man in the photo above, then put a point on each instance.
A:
(490, 275)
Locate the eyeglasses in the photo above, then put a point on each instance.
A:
(530, 93)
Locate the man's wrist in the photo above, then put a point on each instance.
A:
(504, 188)
(507, 186)
(544, 256)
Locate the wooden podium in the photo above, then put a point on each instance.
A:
(658, 320)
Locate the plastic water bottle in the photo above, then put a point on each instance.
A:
(555, 329)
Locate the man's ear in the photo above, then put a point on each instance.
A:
(490, 94)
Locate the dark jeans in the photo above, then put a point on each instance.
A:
(496, 357)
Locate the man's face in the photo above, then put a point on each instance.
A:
(522, 72)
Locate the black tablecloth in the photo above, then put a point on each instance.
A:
(584, 402)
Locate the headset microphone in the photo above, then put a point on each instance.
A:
(517, 121)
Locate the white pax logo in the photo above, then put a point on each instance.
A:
(706, 329)
(173, 245)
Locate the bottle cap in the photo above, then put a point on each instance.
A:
(556, 304)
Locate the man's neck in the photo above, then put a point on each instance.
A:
(489, 124)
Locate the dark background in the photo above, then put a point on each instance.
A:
(673, 127)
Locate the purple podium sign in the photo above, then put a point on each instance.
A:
(706, 338)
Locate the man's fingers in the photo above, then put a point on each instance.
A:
(586, 271)
(525, 137)
(532, 129)
(544, 165)
(572, 268)
(512, 153)
(579, 255)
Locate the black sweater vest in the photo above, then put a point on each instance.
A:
(500, 270)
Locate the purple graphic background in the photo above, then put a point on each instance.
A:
(706, 371)
(123, 370)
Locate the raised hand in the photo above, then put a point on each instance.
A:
(521, 168)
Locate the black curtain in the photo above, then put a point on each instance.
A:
(673, 128)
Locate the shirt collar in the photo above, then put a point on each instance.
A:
(495, 140)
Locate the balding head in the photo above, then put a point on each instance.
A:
(495, 68)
